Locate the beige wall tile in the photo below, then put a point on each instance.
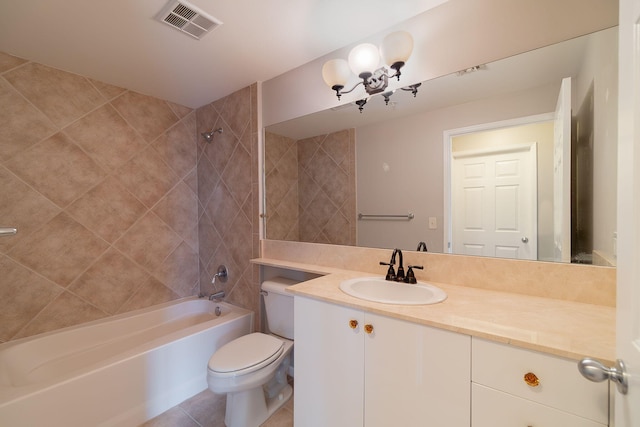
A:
(62, 96)
(149, 116)
(58, 169)
(73, 188)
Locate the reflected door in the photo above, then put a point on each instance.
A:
(494, 202)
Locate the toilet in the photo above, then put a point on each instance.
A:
(252, 370)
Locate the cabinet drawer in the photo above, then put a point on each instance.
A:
(492, 408)
(503, 367)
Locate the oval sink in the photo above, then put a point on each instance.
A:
(379, 290)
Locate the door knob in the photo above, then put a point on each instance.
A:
(597, 372)
(525, 240)
(368, 328)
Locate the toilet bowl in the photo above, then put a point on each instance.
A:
(252, 370)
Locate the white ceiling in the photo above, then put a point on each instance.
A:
(119, 41)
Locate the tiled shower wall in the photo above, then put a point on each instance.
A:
(102, 184)
(311, 188)
(228, 197)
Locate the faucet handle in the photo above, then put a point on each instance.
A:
(411, 277)
(391, 274)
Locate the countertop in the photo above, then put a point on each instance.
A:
(562, 328)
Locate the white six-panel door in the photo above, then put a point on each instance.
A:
(494, 202)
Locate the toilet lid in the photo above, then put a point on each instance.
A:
(247, 353)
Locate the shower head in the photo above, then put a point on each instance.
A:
(208, 136)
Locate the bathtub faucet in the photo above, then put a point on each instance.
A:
(217, 296)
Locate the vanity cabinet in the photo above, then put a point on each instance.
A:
(517, 387)
(354, 368)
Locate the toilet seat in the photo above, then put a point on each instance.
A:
(245, 355)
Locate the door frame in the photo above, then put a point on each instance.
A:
(448, 136)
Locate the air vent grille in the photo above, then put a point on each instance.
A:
(188, 19)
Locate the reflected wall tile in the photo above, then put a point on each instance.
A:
(66, 310)
(149, 116)
(21, 125)
(109, 282)
(58, 169)
(62, 96)
(23, 295)
(60, 250)
(106, 137)
(108, 209)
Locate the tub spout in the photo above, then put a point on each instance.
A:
(217, 295)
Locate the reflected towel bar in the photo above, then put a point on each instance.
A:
(7, 231)
(408, 216)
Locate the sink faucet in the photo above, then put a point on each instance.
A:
(391, 274)
(400, 272)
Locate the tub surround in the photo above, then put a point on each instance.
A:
(539, 306)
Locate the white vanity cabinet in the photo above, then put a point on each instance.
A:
(517, 387)
(354, 368)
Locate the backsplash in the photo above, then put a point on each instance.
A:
(571, 282)
(102, 185)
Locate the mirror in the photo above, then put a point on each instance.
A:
(399, 156)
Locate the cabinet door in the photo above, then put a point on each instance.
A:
(415, 375)
(328, 359)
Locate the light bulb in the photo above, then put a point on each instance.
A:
(335, 72)
(364, 59)
(396, 48)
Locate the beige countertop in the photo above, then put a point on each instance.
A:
(563, 328)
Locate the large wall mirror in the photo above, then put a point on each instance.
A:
(390, 176)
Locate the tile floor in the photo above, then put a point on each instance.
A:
(206, 409)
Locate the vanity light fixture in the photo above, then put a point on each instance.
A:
(363, 61)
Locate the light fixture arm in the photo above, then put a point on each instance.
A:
(373, 83)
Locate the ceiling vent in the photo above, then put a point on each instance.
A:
(188, 19)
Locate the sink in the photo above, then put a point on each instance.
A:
(379, 290)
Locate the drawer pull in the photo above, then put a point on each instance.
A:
(368, 329)
(531, 379)
(353, 323)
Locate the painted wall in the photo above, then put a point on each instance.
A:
(400, 166)
(475, 30)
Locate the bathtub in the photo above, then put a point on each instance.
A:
(120, 371)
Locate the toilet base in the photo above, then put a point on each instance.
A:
(251, 408)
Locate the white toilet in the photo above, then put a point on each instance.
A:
(252, 370)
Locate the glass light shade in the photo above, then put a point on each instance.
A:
(364, 59)
(396, 47)
(336, 72)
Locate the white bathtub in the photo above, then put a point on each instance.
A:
(121, 371)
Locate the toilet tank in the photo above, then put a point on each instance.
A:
(278, 304)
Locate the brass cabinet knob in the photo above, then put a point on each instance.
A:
(353, 323)
(531, 379)
(368, 328)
